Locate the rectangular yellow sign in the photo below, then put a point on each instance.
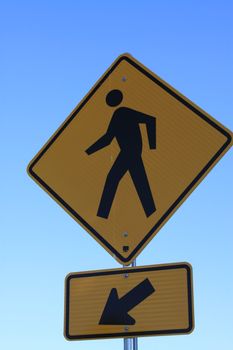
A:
(128, 302)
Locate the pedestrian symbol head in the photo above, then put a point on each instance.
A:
(114, 98)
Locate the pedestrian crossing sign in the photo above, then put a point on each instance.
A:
(128, 156)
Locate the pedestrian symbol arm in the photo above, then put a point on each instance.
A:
(150, 127)
(102, 142)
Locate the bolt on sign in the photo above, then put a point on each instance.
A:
(128, 156)
(129, 302)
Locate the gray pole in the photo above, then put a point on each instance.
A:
(127, 344)
(135, 340)
(131, 343)
(127, 341)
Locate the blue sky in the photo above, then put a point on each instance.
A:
(52, 52)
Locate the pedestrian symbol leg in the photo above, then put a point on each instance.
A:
(117, 171)
(141, 183)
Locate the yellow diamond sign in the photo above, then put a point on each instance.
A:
(128, 156)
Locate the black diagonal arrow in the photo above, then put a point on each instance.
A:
(116, 310)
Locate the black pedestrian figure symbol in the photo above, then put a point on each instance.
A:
(124, 126)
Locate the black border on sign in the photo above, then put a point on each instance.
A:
(189, 329)
(178, 200)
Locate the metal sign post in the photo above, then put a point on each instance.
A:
(128, 344)
(135, 340)
(131, 343)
